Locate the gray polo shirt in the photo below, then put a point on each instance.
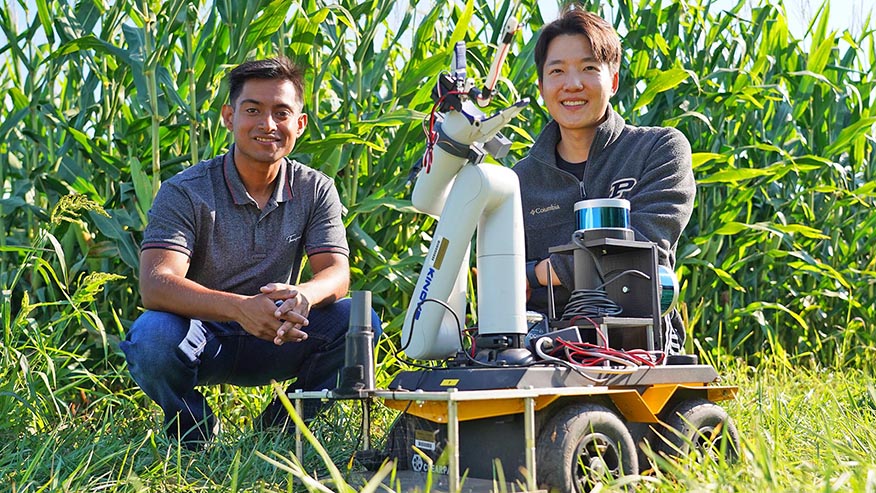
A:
(206, 213)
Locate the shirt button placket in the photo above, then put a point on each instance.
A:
(260, 239)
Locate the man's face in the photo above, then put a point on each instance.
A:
(266, 120)
(575, 87)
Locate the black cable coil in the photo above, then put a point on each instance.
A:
(590, 303)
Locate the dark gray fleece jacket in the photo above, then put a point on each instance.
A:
(649, 166)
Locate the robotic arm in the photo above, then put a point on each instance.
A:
(468, 197)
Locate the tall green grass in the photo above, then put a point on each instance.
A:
(101, 102)
(802, 431)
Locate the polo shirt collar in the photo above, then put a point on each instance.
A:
(283, 191)
(238, 191)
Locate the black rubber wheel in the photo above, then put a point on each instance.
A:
(581, 445)
(701, 427)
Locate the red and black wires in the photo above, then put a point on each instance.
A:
(430, 125)
(593, 361)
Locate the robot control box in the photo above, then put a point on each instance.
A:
(626, 271)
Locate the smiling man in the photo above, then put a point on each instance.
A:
(220, 260)
(588, 151)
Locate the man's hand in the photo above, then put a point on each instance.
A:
(258, 316)
(292, 309)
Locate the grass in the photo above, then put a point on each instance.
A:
(803, 429)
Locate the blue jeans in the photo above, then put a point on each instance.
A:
(169, 355)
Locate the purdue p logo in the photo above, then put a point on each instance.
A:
(620, 187)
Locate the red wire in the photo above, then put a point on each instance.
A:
(574, 351)
(581, 353)
(431, 134)
(503, 53)
(468, 333)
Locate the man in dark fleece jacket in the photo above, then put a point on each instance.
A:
(588, 151)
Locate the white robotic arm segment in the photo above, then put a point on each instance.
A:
(434, 181)
(456, 134)
(483, 129)
(486, 198)
(501, 259)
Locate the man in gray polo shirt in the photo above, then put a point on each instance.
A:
(220, 255)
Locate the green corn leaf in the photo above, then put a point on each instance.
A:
(142, 187)
(664, 81)
(128, 249)
(806, 231)
(727, 279)
(858, 130)
(269, 22)
(735, 175)
(91, 42)
(731, 228)
(700, 158)
(463, 24)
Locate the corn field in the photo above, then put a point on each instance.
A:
(102, 101)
